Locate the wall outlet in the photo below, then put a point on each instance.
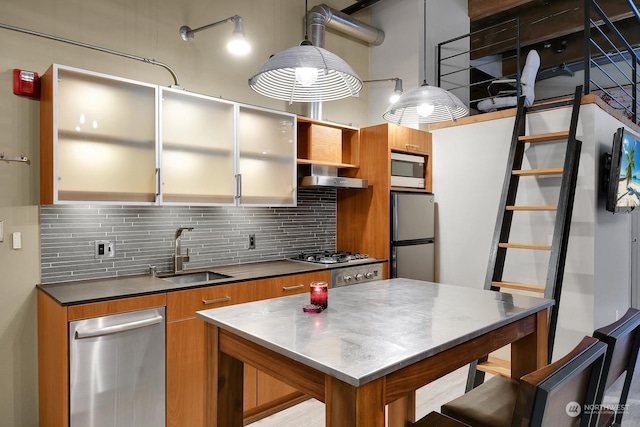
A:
(252, 241)
(104, 249)
(1, 231)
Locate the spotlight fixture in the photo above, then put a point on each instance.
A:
(238, 45)
(397, 91)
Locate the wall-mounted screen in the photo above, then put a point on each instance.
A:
(623, 177)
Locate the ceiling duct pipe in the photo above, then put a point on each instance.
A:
(322, 16)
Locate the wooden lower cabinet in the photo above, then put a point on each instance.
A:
(263, 394)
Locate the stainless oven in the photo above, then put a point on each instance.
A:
(352, 274)
(408, 170)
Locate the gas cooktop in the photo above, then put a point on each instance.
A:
(328, 257)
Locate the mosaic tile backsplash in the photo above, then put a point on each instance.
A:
(144, 235)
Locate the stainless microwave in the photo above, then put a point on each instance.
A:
(407, 170)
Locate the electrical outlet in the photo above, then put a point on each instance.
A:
(104, 249)
(1, 231)
(252, 241)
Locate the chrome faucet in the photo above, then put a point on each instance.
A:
(178, 258)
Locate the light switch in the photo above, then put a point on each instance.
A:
(1, 231)
(17, 240)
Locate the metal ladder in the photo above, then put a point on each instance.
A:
(558, 247)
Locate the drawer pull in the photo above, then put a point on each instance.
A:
(412, 147)
(217, 300)
(292, 288)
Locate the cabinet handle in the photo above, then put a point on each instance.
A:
(238, 186)
(292, 288)
(412, 146)
(158, 182)
(108, 330)
(216, 300)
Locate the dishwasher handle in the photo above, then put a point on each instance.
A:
(114, 329)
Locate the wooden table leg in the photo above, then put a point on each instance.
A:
(223, 384)
(530, 352)
(402, 412)
(346, 405)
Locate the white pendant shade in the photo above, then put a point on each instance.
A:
(425, 104)
(306, 73)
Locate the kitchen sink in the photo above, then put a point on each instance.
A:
(196, 277)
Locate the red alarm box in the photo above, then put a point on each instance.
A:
(26, 83)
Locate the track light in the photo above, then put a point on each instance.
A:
(238, 45)
(397, 91)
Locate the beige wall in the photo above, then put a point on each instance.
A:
(144, 28)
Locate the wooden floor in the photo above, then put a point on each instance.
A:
(429, 398)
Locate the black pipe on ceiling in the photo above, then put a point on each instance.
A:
(358, 6)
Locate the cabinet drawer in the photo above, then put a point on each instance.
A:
(288, 285)
(184, 304)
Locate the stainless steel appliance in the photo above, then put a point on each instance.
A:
(412, 235)
(348, 268)
(117, 370)
(407, 170)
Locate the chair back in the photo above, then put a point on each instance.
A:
(623, 340)
(558, 394)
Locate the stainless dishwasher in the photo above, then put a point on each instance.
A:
(117, 370)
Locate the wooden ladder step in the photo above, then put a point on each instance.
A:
(496, 366)
(524, 246)
(533, 208)
(543, 137)
(533, 172)
(520, 286)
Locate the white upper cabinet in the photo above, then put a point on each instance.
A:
(110, 140)
(98, 138)
(267, 157)
(198, 149)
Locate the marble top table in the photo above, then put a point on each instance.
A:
(374, 345)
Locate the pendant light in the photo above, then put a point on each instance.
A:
(306, 73)
(425, 104)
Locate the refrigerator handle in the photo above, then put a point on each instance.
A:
(394, 262)
(394, 217)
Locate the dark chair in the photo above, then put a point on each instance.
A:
(551, 396)
(623, 340)
(436, 419)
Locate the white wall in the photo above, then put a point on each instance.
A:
(467, 180)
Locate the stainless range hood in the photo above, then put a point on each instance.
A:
(326, 176)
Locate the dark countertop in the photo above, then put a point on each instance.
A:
(94, 290)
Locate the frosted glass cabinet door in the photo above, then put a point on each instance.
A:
(197, 134)
(105, 140)
(267, 157)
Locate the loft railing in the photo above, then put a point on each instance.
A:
(465, 70)
(610, 63)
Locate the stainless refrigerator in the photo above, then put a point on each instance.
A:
(412, 235)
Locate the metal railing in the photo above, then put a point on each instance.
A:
(464, 70)
(610, 63)
(613, 69)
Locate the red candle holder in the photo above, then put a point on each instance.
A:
(319, 294)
